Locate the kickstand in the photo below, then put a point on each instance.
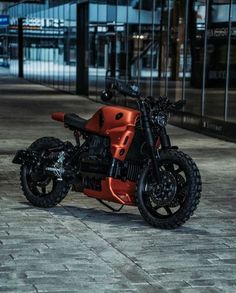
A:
(110, 207)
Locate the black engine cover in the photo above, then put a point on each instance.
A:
(97, 158)
(98, 146)
(93, 164)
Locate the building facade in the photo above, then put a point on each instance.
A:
(183, 49)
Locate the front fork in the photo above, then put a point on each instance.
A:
(154, 152)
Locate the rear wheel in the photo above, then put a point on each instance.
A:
(172, 202)
(41, 188)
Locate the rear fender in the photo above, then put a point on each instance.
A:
(28, 156)
(25, 156)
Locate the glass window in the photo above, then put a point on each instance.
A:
(176, 50)
(101, 40)
(231, 111)
(162, 29)
(61, 46)
(13, 42)
(194, 58)
(44, 49)
(66, 58)
(179, 48)
(216, 60)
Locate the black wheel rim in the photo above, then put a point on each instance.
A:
(41, 188)
(180, 173)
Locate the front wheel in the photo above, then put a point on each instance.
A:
(171, 203)
(41, 188)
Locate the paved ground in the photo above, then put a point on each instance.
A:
(79, 246)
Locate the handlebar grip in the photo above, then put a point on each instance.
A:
(127, 92)
(179, 104)
(121, 87)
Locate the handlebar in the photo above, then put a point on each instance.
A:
(122, 87)
(132, 90)
(164, 104)
(178, 105)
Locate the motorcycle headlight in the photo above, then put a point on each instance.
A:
(160, 119)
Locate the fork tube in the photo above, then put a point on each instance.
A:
(150, 141)
(165, 139)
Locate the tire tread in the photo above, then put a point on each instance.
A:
(62, 188)
(194, 195)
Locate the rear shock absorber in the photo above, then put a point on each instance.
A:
(57, 168)
(77, 135)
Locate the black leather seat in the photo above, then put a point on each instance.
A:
(74, 121)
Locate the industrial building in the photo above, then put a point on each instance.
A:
(183, 49)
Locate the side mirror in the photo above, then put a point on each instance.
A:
(106, 96)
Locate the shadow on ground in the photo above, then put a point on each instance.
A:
(95, 215)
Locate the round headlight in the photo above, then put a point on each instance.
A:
(162, 119)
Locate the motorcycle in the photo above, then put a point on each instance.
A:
(121, 155)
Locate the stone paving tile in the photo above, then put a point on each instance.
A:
(199, 290)
(79, 246)
(18, 288)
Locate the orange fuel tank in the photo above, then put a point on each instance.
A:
(118, 123)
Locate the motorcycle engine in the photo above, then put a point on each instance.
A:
(94, 163)
(97, 157)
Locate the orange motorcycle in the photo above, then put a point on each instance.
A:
(121, 155)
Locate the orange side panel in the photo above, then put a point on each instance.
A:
(115, 190)
(118, 123)
(58, 116)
